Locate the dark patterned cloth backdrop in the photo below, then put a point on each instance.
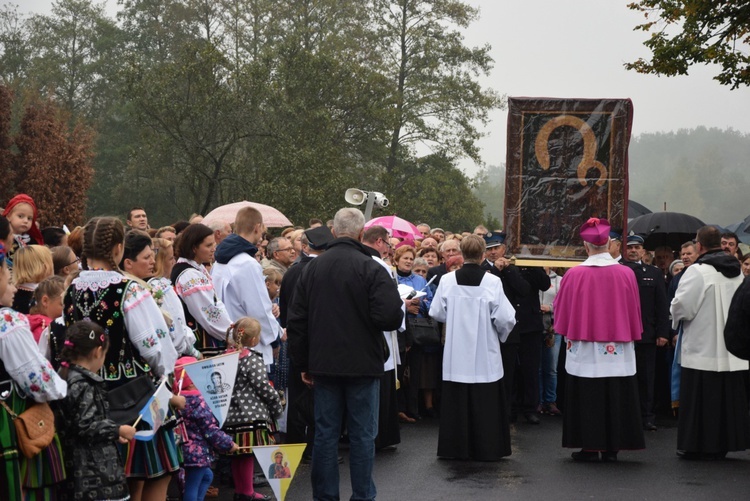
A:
(567, 161)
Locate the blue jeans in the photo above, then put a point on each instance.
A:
(548, 372)
(360, 398)
(197, 482)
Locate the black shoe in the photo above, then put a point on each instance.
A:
(532, 418)
(585, 456)
(260, 481)
(387, 448)
(690, 456)
(649, 426)
(609, 457)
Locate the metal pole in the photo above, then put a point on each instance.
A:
(370, 204)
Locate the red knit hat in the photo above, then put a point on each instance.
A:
(22, 198)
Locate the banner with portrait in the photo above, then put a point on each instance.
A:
(214, 378)
(279, 464)
(155, 411)
(567, 161)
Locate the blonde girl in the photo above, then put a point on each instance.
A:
(32, 265)
(46, 307)
(165, 260)
(255, 404)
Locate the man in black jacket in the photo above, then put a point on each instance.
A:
(343, 302)
(655, 318)
(524, 344)
(300, 425)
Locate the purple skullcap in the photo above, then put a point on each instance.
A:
(595, 231)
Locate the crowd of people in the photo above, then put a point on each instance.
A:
(347, 333)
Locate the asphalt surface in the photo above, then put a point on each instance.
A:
(540, 468)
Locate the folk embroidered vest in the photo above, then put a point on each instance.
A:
(103, 305)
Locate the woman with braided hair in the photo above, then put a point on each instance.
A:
(137, 331)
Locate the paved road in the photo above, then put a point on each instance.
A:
(541, 469)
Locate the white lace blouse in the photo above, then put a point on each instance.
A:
(31, 372)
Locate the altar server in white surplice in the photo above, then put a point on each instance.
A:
(478, 317)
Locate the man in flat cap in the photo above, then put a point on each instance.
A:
(655, 317)
(598, 310)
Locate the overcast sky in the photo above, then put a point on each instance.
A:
(577, 48)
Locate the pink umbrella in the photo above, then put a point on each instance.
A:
(273, 218)
(399, 228)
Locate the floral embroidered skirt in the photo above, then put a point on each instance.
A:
(250, 435)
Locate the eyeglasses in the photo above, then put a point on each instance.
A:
(74, 261)
(285, 250)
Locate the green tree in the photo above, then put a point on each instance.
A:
(76, 53)
(193, 114)
(15, 47)
(687, 32)
(433, 189)
(330, 116)
(435, 95)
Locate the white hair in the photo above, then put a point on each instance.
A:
(217, 225)
(348, 222)
(596, 248)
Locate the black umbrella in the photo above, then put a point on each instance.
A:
(665, 228)
(635, 209)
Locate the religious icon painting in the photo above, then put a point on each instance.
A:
(567, 161)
